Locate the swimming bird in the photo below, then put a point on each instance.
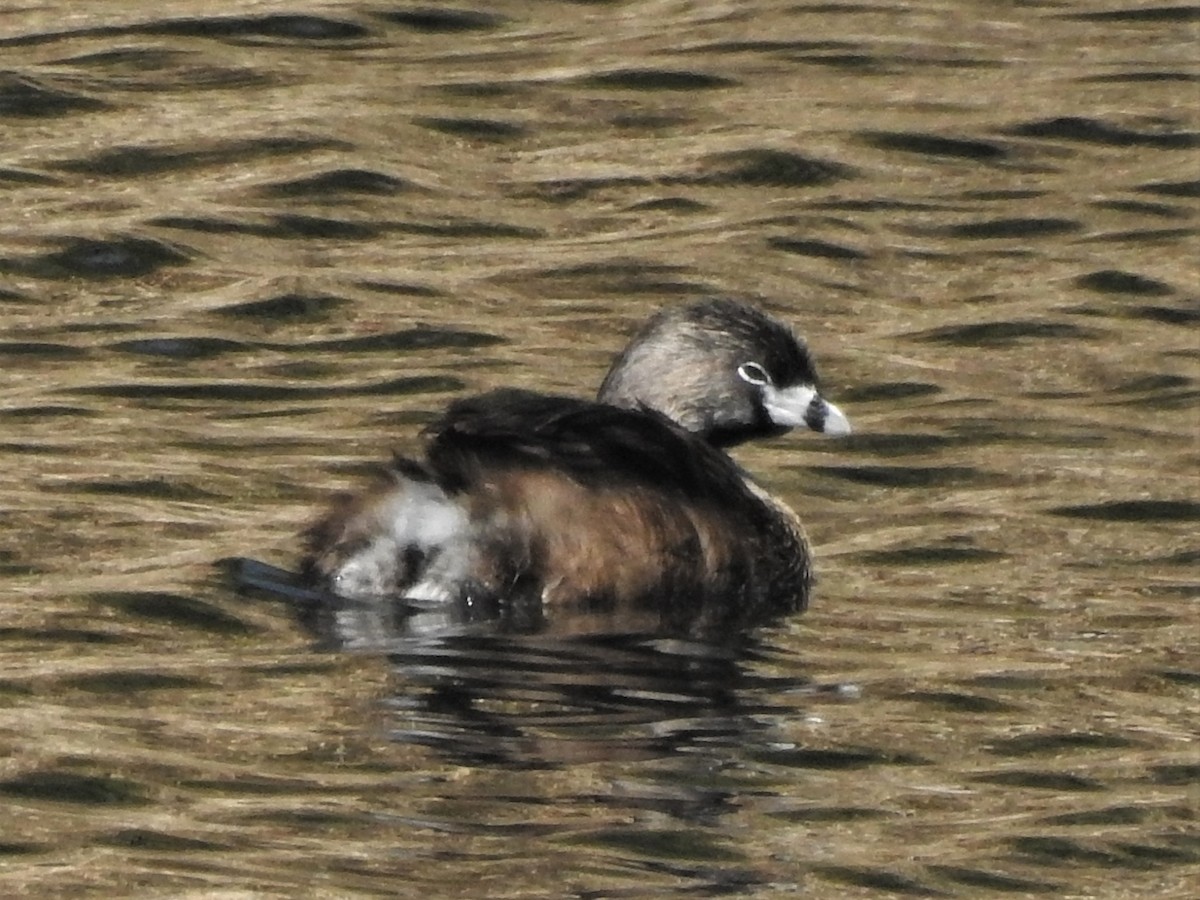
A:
(628, 505)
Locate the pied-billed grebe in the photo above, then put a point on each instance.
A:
(628, 503)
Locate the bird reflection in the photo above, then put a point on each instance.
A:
(502, 685)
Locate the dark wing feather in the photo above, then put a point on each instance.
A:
(594, 443)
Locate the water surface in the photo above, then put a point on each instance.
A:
(248, 250)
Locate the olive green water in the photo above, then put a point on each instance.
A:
(247, 249)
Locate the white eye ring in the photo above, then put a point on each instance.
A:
(753, 373)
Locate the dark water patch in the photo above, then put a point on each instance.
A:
(63, 636)
(875, 880)
(337, 182)
(1095, 131)
(619, 269)
(421, 338)
(144, 839)
(766, 46)
(1154, 854)
(403, 289)
(249, 392)
(1180, 14)
(24, 176)
(485, 89)
(195, 78)
(649, 121)
(934, 145)
(829, 814)
(1142, 208)
(1167, 315)
(180, 347)
(1056, 743)
(122, 257)
(1145, 383)
(1141, 236)
(135, 161)
(1181, 774)
(54, 786)
(257, 786)
(12, 688)
(296, 225)
(889, 390)
(660, 843)
(283, 26)
(1003, 334)
(655, 80)
(91, 328)
(1189, 590)
(993, 881)
(1008, 229)
(1010, 681)
(834, 759)
(1140, 78)
(566, 190)
(130, 59)
(623, 275)
(1109, 815)
(1051, 850)
(764, 167)
(474, 128)
(129, 69)
(286, 308)
(128, 682)
(21, 848)
(1189, 839)
(1133, 511)
(857, 63)
(34, 350)
(26, 448)
(1171, 188)
(19, 569)
(889, 63)
(151, 488)
(214, 225)
(27, 98)
(877, 205)
(1041, 781)
(908, 476)
(467, 228)
(328, 667)
(1182, 558)
(1161, 399)
(671, 205)
(991, 195)
(1060, 851)
(324, 818)
(957, 701)
(900, 444)
(934, 555)
(443, 20)
(174, 609)
(1115, 281)
(816, 248)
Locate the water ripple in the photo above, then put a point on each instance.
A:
(24, 97)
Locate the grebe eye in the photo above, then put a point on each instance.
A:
(753, 373)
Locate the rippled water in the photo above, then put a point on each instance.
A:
(247, 249)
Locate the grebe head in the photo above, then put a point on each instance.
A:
(724, 370)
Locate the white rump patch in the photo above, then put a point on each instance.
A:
(415, 516)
